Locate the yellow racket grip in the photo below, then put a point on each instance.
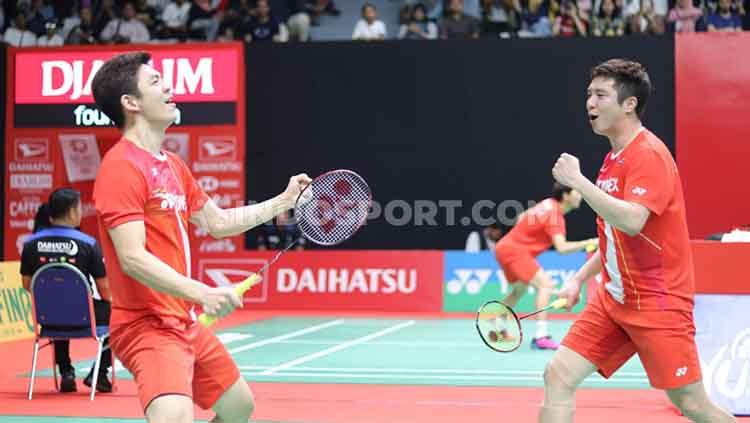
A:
(240, 289)
(559, 303)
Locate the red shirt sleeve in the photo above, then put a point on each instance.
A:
(120, 193)
(650, 181)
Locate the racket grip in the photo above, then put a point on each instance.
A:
(240, 289)
(559, 303)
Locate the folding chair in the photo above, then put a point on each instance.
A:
(63, 309)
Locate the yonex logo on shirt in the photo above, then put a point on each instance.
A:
(171, 201)
(639, 191)
(608, 185)
(682, 371)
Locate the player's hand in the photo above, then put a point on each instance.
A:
(567, 170)
(571, 291)
(220, 301)
(296, 184)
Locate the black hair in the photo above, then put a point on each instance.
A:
(60, 202)
(559, 189)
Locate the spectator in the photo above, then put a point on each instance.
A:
(568, 22)
(175, 19)
(146, 14)
(298, 21)
(608, 22)
(51, 38)
(103, 16)
(204, 19)
(456, 24)
(263, 27)
(18, 35)
(127, 29)
(684, 15)
(418, 27)
(41, 12)
(316, 8)
(83, 32)
(498, 18)
(55, 224)
(648, 19)
(534, 18)
(369, 27)
(279, 235)
(724, 19)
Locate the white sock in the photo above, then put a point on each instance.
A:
(541, 329)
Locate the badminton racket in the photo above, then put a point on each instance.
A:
(500, 327)
(328, 211)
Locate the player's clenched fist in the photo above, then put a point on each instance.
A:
(220, 301)
(296, 184)
(567, 170)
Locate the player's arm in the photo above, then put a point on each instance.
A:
(629, 217)
(563, 246)
(626, 216)
(129, 240)
(571, 289)
(221, 223)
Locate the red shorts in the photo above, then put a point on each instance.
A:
(517, 266)
(608, 334)
(170, 357)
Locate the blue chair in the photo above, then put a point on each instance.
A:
(63, 309)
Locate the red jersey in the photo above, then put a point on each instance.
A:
(159, 190)
(535, 229)
(653, 269)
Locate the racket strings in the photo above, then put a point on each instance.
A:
(333, 207)
(499, 327)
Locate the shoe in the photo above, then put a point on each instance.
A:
(68, 380)
(544, 343)
(501, 335)
(102, 383)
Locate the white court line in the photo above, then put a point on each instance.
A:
(409, 370)
(339, 347)
(287, 336)
(428, 376)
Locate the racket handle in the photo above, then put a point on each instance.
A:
(559, 303)
(240, 289)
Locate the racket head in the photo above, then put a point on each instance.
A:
(499, 327)
(333, 207)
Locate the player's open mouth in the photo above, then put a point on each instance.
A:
(170, 101)
(593, 117)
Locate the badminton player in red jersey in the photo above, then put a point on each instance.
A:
(644, 304)
(537, 229)
(145, 197)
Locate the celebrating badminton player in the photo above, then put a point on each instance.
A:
(645, 303)
(145, 197)
(537, 229)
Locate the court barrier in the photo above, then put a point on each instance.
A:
(15, 305)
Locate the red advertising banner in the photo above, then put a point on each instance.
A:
(56, 136)
(335, 280)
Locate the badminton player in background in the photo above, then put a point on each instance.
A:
(645, 302)
(145, 197)
(536, 230)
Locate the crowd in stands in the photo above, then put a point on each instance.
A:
(567, 18)
(28, 23)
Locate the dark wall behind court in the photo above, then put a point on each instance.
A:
(449, 120)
